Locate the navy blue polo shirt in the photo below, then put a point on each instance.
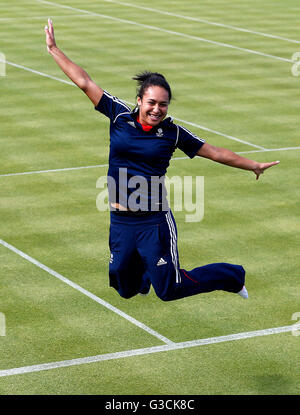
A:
(138, 159)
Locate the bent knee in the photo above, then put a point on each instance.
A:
(166, 296)
(126, 294)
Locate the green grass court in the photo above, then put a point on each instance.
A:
(230, 67)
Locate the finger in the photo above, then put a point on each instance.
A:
(273, 163)
(50, 26)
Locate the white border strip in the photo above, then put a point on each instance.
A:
(171, 32)
(85, 292)
(195, 19)
(145, 351)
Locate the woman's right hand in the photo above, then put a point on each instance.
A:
(73, 71)
(50, 39)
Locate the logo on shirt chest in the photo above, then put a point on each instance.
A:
(159, 133)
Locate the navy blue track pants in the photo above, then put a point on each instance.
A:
(144, 253)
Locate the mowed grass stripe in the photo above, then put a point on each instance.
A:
(248, 14)
(106, 165)
(130, 103)
(248, 221)
(172, 32)
(195, 19)
(85, 292)
(213, 103)
(215, 34)
(47, 319)
(247, 88)
(145, 351)
(43, 18)
(55, 217)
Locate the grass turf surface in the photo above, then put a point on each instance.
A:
(52, 217)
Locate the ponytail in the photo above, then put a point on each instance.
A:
(147, 79)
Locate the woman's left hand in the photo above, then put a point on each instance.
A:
(262, 167)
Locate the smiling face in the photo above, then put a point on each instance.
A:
(153, 106)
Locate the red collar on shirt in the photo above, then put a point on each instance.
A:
(144, 127)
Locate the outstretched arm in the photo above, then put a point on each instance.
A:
(73, 71)
(224, 156)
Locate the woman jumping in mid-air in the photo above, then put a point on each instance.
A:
(143, 241)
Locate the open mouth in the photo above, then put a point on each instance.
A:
(155, 117)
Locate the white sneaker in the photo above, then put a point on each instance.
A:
(244, 293)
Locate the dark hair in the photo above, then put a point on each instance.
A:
(146, 79)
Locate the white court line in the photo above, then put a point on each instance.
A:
(39, 17)
(87, 293)
(106, 165)
(218, 133)
(270, 149)
(195, 19)
(16, 65)
(171, 32)
(145, 351)
(130, 103)
(53, 170)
